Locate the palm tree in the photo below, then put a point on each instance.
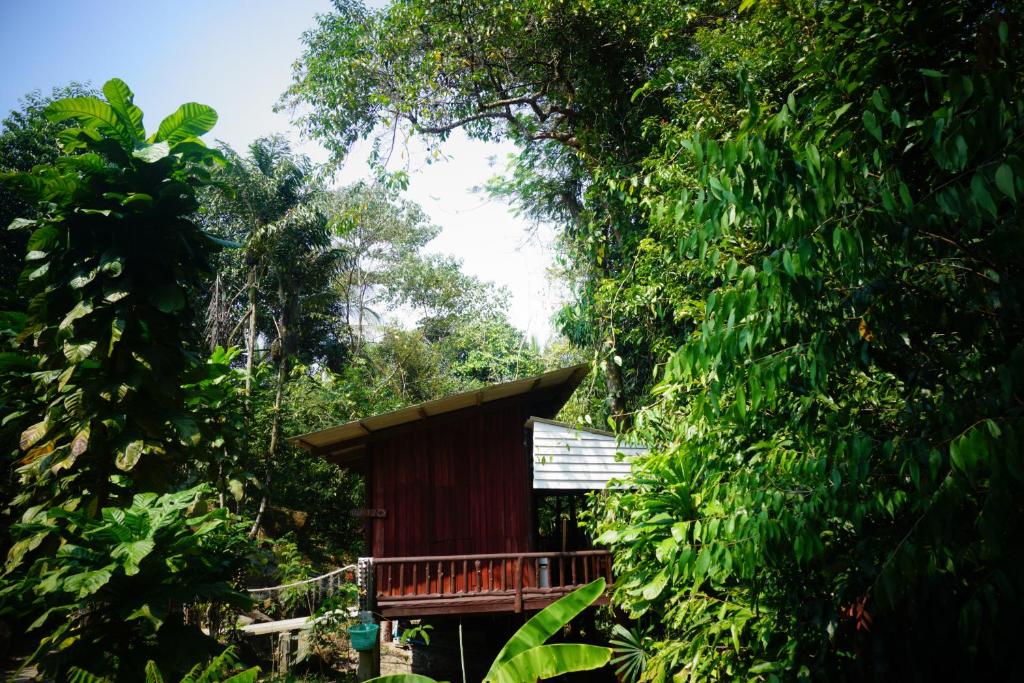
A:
(275, 204)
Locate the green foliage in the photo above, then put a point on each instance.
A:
(494, 67)
(105, 312)
(836, 487)
(421, 632)
(331, 618)
(112, 587)
(631, 648)
(381, 236)
(214, 397)
(293, 567)
(27, 138)
(525, 658)
(801, 220)
(539, 629)
(324, 492)
(104, 564)
(221, 669)
(457, 352)
(550, 661)
(271, 202)
(562, 80)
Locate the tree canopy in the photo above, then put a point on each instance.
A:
(146, 458)
(793, 232)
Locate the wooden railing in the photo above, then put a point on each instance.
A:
(519, 579)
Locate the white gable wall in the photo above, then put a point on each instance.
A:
(567, 457)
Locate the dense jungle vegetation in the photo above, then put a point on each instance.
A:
(793, 235)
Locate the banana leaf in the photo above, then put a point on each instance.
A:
(546, 623)
(548, 661)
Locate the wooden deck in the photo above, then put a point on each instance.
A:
(477, 584)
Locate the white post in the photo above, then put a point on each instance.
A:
(369, 661)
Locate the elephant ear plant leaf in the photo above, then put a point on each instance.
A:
(186, 124)
(121, 100)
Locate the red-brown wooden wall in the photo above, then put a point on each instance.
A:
(453, 486)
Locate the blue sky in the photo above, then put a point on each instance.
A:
(236, 56)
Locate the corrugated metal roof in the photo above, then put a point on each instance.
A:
(577, 458)
(563, 381)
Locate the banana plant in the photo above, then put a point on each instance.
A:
(526, 658)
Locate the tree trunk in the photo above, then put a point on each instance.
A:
(616, 390)
(289, 302)
(275, 436)
(213, 316)
(250, 341)
(220, 480)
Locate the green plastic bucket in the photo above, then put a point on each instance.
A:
(364, 636)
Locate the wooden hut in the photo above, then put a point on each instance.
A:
(452, 499)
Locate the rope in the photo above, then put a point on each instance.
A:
(328, 575)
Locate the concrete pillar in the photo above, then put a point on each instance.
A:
(369, 663)
(283, 652)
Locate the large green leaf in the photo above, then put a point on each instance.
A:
(127, 458)
(9, 360)
(190, 121)
(546, 623)
(220, 241)
(81, 309)
(76, 353)
(168, 298)
(121, 100)
(153, 674)
(33, 434)
(548, 661)
(151, 153)
(77, 675)
(404, 678)
(133, 553)
(247, 676)
(91, 112)
(187, 430)
(43, 238)
(87, 583)
(1004, 181)
(21, 223)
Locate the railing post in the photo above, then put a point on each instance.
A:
(367, 584)
(369, 661)
(518, 606)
